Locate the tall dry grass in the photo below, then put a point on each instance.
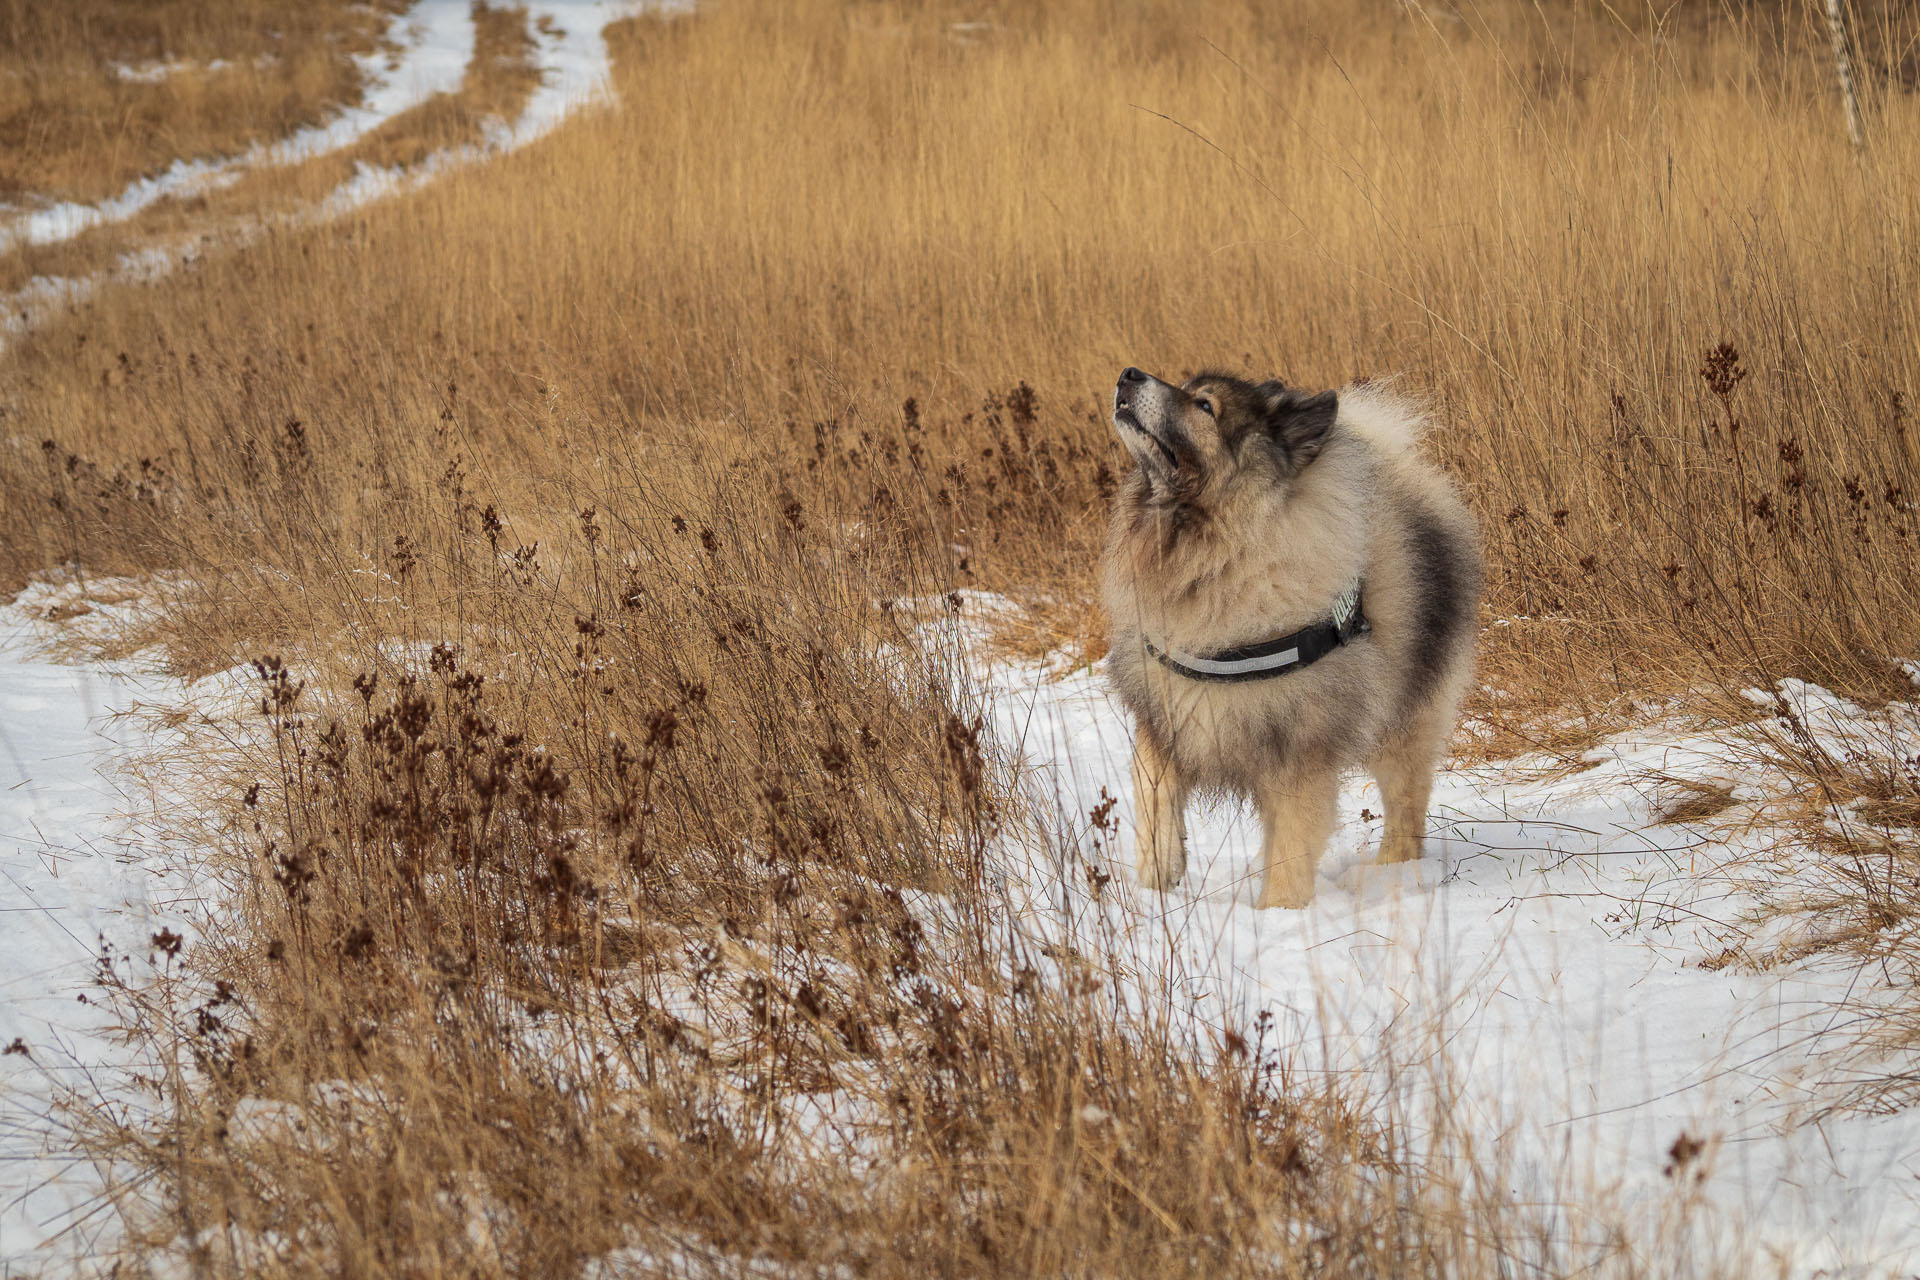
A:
(602, 827)
(1546, 226)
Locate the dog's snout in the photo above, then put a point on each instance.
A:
(1131, 374)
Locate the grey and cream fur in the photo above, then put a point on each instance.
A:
(1250, 508)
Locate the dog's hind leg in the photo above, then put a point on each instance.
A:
(1404, 769)
(1296, 816)
(1159, 815)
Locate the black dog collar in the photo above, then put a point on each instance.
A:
(1274, 657)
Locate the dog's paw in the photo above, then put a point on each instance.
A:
(1160, 874)
(1291, 891)
(1401, 849)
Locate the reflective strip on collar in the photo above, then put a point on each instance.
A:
(1234, 667)
(1276, 656)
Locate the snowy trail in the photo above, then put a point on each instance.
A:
(1548, 973)
(76, 867)
(435, 43)
(437, 40)
(571, 53)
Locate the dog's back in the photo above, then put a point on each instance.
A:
(1424, 576)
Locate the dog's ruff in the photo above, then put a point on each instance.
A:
(1250, 507)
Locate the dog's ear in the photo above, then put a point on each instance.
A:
(1296, 423)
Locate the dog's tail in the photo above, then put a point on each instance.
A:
(1388, 420)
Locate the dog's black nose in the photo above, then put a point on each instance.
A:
(1131, 374)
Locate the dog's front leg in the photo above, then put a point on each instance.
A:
(1159, 815)
(1296, 817)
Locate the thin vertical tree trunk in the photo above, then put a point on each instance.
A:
(1843, 65)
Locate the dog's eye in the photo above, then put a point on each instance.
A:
(1205, 405)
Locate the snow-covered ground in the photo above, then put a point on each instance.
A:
(79, 864)
(1552, 977)
(1555, 976)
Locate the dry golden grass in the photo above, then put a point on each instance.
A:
(1596, 242)
(588, 857)
(74, 127)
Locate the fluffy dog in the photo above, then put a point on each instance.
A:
(1293, 592)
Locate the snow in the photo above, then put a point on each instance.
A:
(1552, 977)
(573, 58)
(159, 70)
(1558, 978)
(77, 866)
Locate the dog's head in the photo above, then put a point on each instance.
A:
(1216, 430)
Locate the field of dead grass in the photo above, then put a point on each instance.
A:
(610, 857)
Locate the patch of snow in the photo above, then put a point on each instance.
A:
(156, 71)
(41, 297)
(1553, 976)
(79, 866)
(574, 65)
